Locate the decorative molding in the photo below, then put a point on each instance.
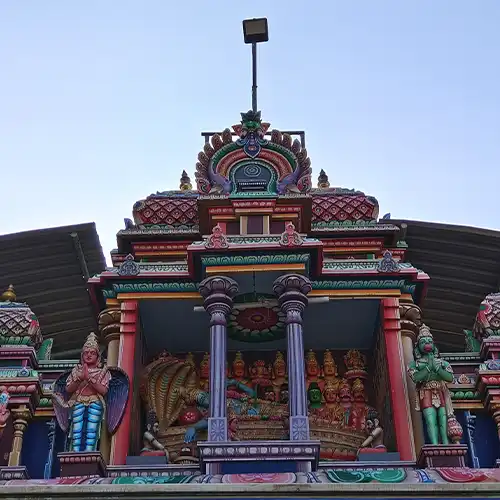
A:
(388, 264)
(241, 260)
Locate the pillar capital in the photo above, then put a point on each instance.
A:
(21, 414)
(109, 324)
(410, 319)
(292, 290)
(218, 293)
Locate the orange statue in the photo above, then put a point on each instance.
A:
(359, 407)
(330, 370)
(239, 370)
(355, 361)
(278, 374)
(334, 410)
(312, 368)
(345, 396)
(259, 374)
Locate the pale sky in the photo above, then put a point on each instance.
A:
(102, 102)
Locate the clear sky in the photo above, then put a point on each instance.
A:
(103, 102)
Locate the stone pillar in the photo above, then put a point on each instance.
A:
(218, 293)
(109, 329)
(129, 315)
(391, 326)
(20, 418)
(411, 320)
(292, 290)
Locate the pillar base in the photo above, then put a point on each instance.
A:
(299, 428)
(83, 463)
(14, 472)
(217, 429)
(239, 457)
(443, 455)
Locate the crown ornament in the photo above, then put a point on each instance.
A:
(424, 331)
(92, 342)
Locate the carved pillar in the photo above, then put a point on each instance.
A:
(411, 320)
(109, 329)
(20, 417)
(397, 374)
(218, 293)
(292, 290)
(129, 315)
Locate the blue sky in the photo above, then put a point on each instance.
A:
(102, 103)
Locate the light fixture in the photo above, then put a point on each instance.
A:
(255, 30)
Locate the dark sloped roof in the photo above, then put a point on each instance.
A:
(464, 266)
(49, 269)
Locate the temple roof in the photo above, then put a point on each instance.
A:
(49, 269)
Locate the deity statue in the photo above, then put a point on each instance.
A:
(312, 368)
(431, 373)
(375, 440)
(205, 372)
(151, 444)
(345, 397)
(239, 370)
(330, 370)
(359, 407)
(355, 361)
(259, 374)
(332, 411)
(4, 412)
(278, 374)
(314, 396)
(85, 395)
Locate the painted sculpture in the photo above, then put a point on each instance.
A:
(431, 374)
(338, 404)
(175, 390)
(4, 412)
(151, 445)
(375, 434)
(487, 323)
(86, 395)
(253, 163)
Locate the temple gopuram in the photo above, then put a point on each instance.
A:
(256, 336)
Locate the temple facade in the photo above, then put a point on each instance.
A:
(253, 330)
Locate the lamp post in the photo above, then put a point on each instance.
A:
(255, 31)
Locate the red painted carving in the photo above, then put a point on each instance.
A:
(343, 207)
(177, 211)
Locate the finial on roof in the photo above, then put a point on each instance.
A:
(323, 182)
(185, 184)
(9, 295)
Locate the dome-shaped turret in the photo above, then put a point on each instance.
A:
(18, 324)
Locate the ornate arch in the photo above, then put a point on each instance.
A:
(287, 158)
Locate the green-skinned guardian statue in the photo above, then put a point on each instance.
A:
(431, 374)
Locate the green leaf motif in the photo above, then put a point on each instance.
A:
(366, 476)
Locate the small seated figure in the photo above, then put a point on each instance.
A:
(152, 447)
(374, 443)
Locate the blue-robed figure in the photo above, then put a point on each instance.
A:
(86, 395)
